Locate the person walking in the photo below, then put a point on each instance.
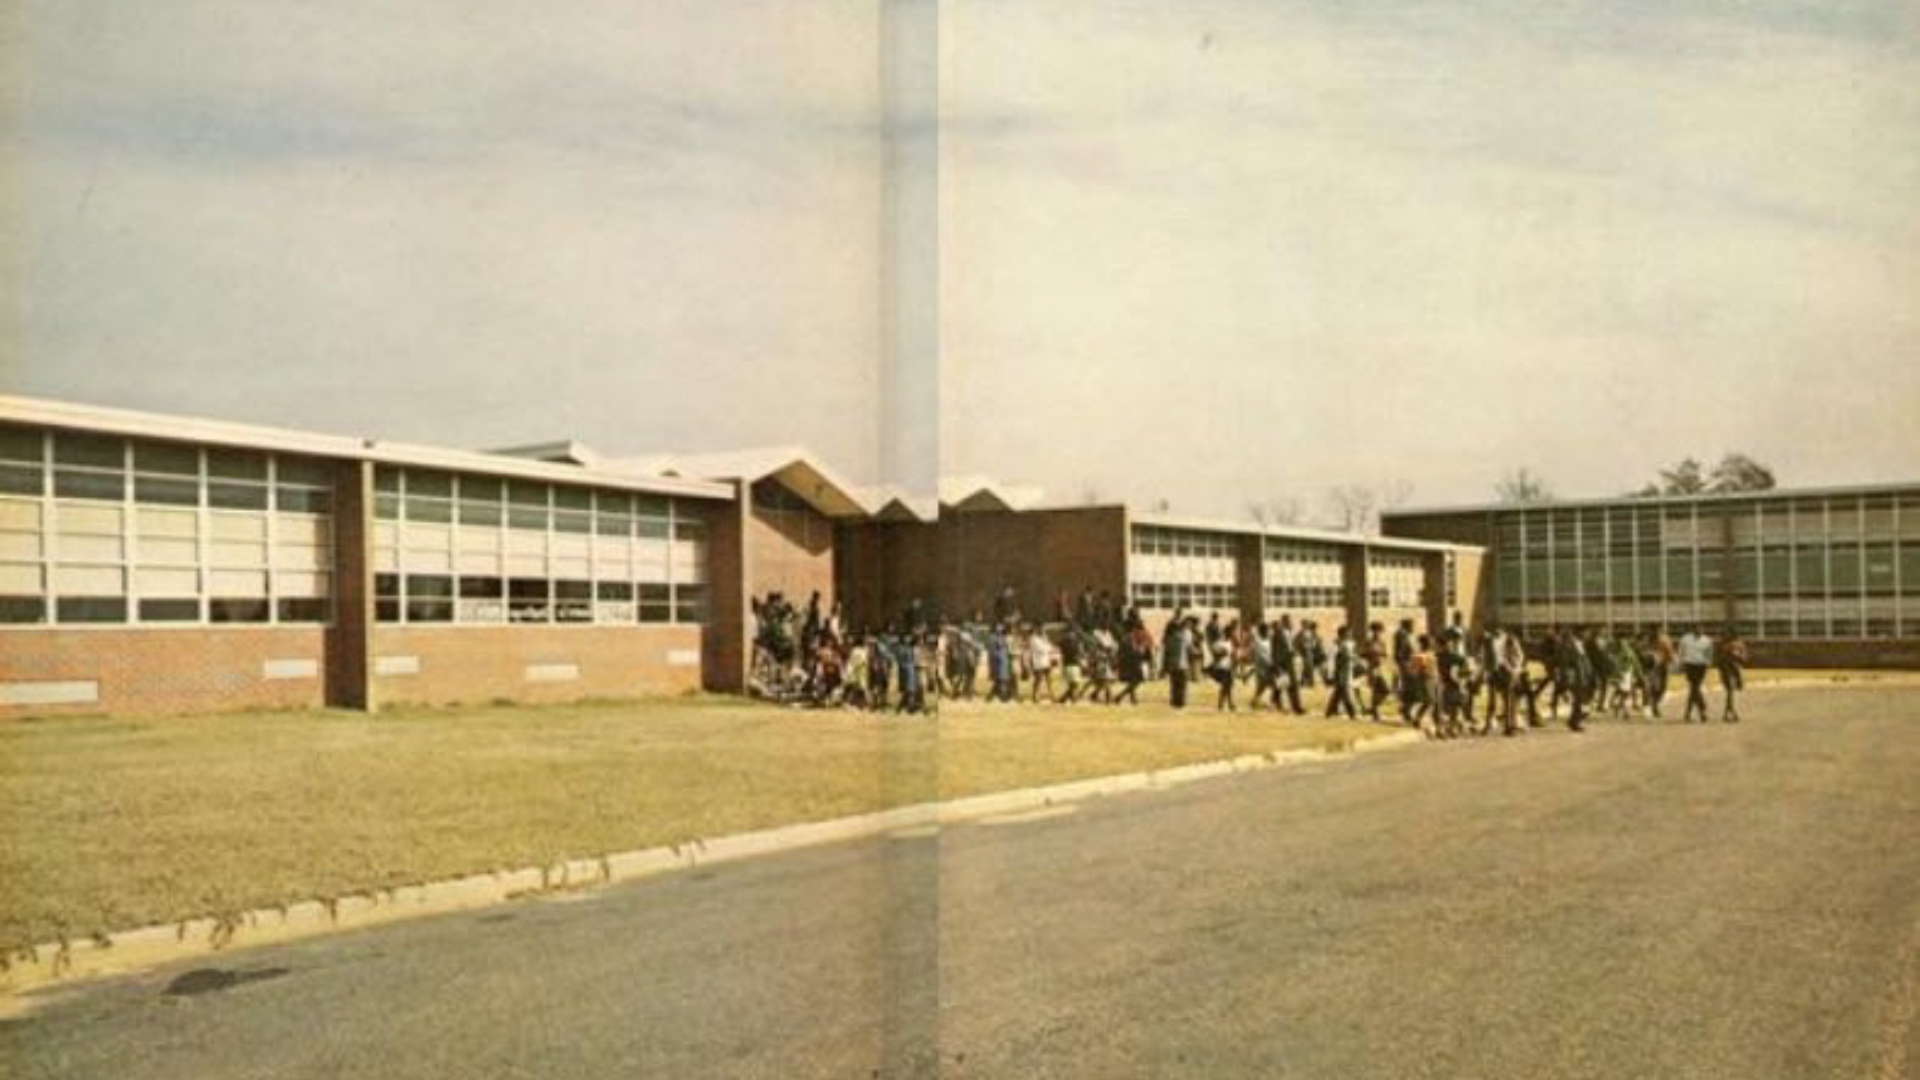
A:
(1136, 652)
(1263, 680)
(1174, 648)
(1040, 656)
(1574, 671)
(1660, 661)
(1373, 669)
(1418, 688)
(1730, 660)
(1286, 664)
(1696, 656)
(1340, 679)
(1220, 665)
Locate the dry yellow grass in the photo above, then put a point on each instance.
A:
(113, 823)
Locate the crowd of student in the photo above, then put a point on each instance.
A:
(1095, 650)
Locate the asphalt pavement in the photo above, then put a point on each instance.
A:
(1696, 902)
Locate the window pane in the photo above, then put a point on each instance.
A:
(429, 586)
(237, 610)
(89, 485)
(480, 488)
(20, 444)
(301, 500)
(690, 604)
(304, 610)
(99, 451)
(479, 513)
(482, 587)
(170, 492)
(429, 611)
(309, 472)
(435, 484)
(170, 611)
(173, 459)
(237, 464)
(656, 603)
(237, 496)
(22, 609)
(422, 509)
(88, 609)
(22, 479)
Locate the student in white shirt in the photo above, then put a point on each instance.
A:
(1696, 655)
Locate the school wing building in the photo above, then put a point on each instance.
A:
(1819, 578)
(153, 563)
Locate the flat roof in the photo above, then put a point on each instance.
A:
(1293, 532)
(134, 424)
(1912, 487)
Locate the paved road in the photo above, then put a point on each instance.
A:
(1739, 902)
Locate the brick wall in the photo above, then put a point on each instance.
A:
(724, 645)
(473, 664)
(960, 563)
(166, 670)
(790, 551)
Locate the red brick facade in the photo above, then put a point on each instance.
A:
(473, 664)
(958, 565)
(170, 669)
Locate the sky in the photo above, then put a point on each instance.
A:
(1212, 252)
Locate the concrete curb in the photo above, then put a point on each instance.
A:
(151, 946)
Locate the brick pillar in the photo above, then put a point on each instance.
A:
(725, 652)
(349, 637)
(1250, 578)
(1433, 567)
(1353, 588)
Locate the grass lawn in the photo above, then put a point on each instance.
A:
(117, 823)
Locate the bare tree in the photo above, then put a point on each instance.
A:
(1355, 508)
(1285, 511)
(1522, 485)
(1277, 511)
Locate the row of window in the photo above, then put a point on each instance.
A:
(103, 468)
(1624, 530)
(1807, 571)
(435, 497)
(1288, 551)
(1306, 596)
(1168, 596)
(99, 529)
(1848, 628)
(1153, 540)
(440, 598)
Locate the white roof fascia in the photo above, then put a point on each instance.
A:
(133, 424)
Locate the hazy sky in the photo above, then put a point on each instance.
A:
(1207, 250)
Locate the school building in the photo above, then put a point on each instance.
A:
(1815, 578)
(153, 563)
